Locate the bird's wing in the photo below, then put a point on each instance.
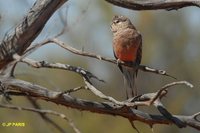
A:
(139, 51)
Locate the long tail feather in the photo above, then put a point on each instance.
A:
(129, 81)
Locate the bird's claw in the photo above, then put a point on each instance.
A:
(119, 62)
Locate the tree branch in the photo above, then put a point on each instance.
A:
(91, 55)
(44, 64)
(27, 30)
(44, 112)
(34, 90)
(41, 114)
(154, 4)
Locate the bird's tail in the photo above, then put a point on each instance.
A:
(130, 75)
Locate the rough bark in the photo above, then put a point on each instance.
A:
(28, 29)
(154, 4)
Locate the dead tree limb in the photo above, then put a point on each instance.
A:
(27, 30)
(109, 108)
(154, 4)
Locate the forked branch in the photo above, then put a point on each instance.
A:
(110, 108)
(29, 28)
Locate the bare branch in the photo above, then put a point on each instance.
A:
(44, 64)
(144, 100)
(34, 90)
(154, 4)
(27, 30)
(74, 90)
(43, 116)
(87, 76)
(76, 130)
(156, 71)
(168, 115)
(101, 95)
(92, 55)
(159, 93)
(68, 48)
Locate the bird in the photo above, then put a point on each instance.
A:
(127, 48)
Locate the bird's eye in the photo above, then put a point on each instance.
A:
(116, 21)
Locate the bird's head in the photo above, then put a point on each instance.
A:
(120, 23)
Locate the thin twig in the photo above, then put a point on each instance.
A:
(44, 64)
(43, 116)
(150, 98)
(156, 71)
(43, 112)
(100, 94)
(92, 55)
(74, 90)
(158, 94)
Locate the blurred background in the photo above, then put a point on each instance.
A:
(170, 42)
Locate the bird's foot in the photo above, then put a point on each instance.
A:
(119, 62)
